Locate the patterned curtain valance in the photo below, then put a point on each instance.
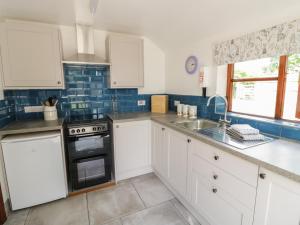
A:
(274, 41)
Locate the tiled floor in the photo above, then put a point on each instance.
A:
(142, 200)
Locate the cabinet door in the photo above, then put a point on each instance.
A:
(178, 161)
(132, 147)
(126, 57)
(209, 198)
(160, 150)
(278, 200)
(31, 56)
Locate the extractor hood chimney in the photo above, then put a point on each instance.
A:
(85, 48)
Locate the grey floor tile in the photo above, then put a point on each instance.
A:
(191, 220)
(151, 190)
(115, 222)
(17, 217)
(68, 211)
(164, 214)
(106, 205)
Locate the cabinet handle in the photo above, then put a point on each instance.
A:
(117, 126)
(189, 140)
(215, 176)
(58, 82)
(216, 157)
(163, 128)
(214, 190)
(114, 82)
(262, 175)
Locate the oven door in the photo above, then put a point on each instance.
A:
(90, 171)
(88, 145)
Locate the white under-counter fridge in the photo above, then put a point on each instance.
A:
(34, 167)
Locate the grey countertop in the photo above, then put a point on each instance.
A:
(128, 117)
(30, 126)
(280, 156)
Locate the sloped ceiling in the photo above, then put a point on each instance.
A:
(168, 23)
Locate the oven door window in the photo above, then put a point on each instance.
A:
(87, 146)
(89, 143)
(89, 170)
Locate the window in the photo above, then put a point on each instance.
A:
(266, 87)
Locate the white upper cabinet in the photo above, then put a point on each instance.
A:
(127, 62)
(31, 56)
(278, 200)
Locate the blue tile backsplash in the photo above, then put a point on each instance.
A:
(7, 112)
(87, 93)
(273, 127)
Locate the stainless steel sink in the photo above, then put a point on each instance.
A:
(196, 125)
(219, 134)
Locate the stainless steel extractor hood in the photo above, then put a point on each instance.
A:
(85, 48)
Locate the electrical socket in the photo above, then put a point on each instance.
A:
(141, 102)
(31, 109)
(176, 103)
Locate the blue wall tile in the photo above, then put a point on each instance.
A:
(86, 92)
(274, 127)
(7, 112)
(291, 132)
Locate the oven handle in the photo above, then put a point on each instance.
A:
(88, 135)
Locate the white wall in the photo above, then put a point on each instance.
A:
(154, 57)
(178, 81)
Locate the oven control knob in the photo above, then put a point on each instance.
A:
(99, 128)
(73, 131)
(83, 130)
(78, 130)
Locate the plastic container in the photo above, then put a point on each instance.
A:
(50, 113)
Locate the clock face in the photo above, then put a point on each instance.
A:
(191, 64)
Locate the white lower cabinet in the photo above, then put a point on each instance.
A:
(160, 151)
(220, 188)
(210, 193)
(189, 167)
(177, 160)
(169, 156)
(132, 149)
(278, 200)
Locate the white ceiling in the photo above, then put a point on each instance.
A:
(166, 22)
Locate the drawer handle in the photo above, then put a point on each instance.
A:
(216, 157)
(214, 190)
(58, 82)
(117, 126)
(189, 140)
(262, 175)
(215, 176)
(163, 128)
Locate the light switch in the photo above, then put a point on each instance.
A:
(141, 102)
(30, 109)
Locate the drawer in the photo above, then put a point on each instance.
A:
(237, 189)
(240, 168)
(216, 205)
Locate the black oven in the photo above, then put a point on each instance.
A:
(89, 151)
(90, 171)
(81, 146)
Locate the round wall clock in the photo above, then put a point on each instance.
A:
(191, 64)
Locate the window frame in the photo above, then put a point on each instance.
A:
(281, 86)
